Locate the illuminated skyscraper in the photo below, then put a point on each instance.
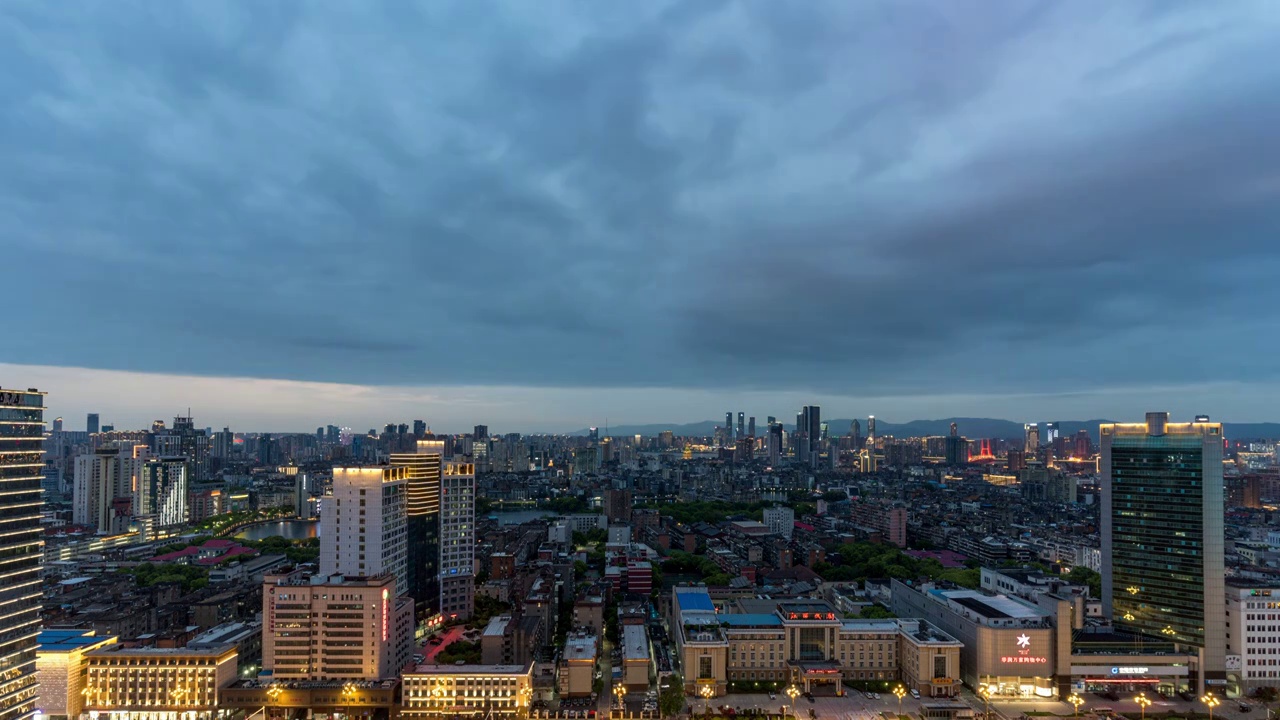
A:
(423, 524)
(21, 461)
(362, 524)
(162, 491)
(1032, 431)
(1162, 535)
(457, 540)
(742, 424)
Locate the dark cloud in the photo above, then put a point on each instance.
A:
(839, 197)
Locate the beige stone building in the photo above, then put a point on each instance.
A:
(320, 628)
(161, 683)
(807, 643)
(60, 670)
(447, 690)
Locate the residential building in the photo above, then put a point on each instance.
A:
(781, 520)
(21, 465)
(104, 481)
(1162, 529)
(577, 666)
(363, 524)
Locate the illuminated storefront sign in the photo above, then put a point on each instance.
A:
(1024, 656)
(811, 616)
(1130, 670)
(386, 611)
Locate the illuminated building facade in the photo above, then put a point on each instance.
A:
(457, 540)
(340, 628)
(60, 668)
(157, 683)
(1162, 532)
(362, 531)
(809, 643)
(422, 521)
(21, 470)
(162, 491)
(434, 691)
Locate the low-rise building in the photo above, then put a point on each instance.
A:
(434, 691)
(577, 666)
(167, 682)
(636, 660)
(60, 670)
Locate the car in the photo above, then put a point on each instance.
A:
(772, 696)
(915, 693)
(868, 695)
(1245, 707)
(1189, 697)
(875, 696)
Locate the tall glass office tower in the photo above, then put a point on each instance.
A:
(423, 525)
(21, 469)
(1162, 538)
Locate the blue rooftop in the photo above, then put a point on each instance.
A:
(68, 640)
(695, 599)
(752, 620)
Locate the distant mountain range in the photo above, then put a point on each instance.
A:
(968, 427)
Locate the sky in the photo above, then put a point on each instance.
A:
(541, 215)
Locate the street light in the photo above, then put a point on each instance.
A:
(706, 691)
(1212, 701)
(1143, 703)
(901, 693)
(793, 692)
(621, 692)
(1076, 701)
(985, 692)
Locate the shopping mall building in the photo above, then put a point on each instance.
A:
(1019, 648)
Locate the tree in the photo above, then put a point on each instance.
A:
(875, 612)
(580, 569)
(1084, 576)
(671, 699)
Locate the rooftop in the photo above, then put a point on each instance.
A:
(694, 599)
(751, 620)
(582, 647)
(997, 607)
(635, 642)
(68, 640)
(469, 670)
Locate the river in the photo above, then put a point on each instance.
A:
(291, 529)
(302, 529)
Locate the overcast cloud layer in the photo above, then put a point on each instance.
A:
(843, 198)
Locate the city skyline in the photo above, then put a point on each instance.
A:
(133, 400)
(812, 200)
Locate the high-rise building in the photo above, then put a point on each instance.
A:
(91, 424)
(57, 424)
(1050, 432)
(1162, 535)
(185, 440)
(362, 524)
(419, 428)
(728, 429)
(617, 506)
(742, 424)
(21, 462)
(333, 628)
(957, 450)
(457, 540)
(751, 426)
(775, 443)
(1081, 445)
(422, 521)
(162, 491)
(103, 487)
(1032, 431)
(781, 520)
